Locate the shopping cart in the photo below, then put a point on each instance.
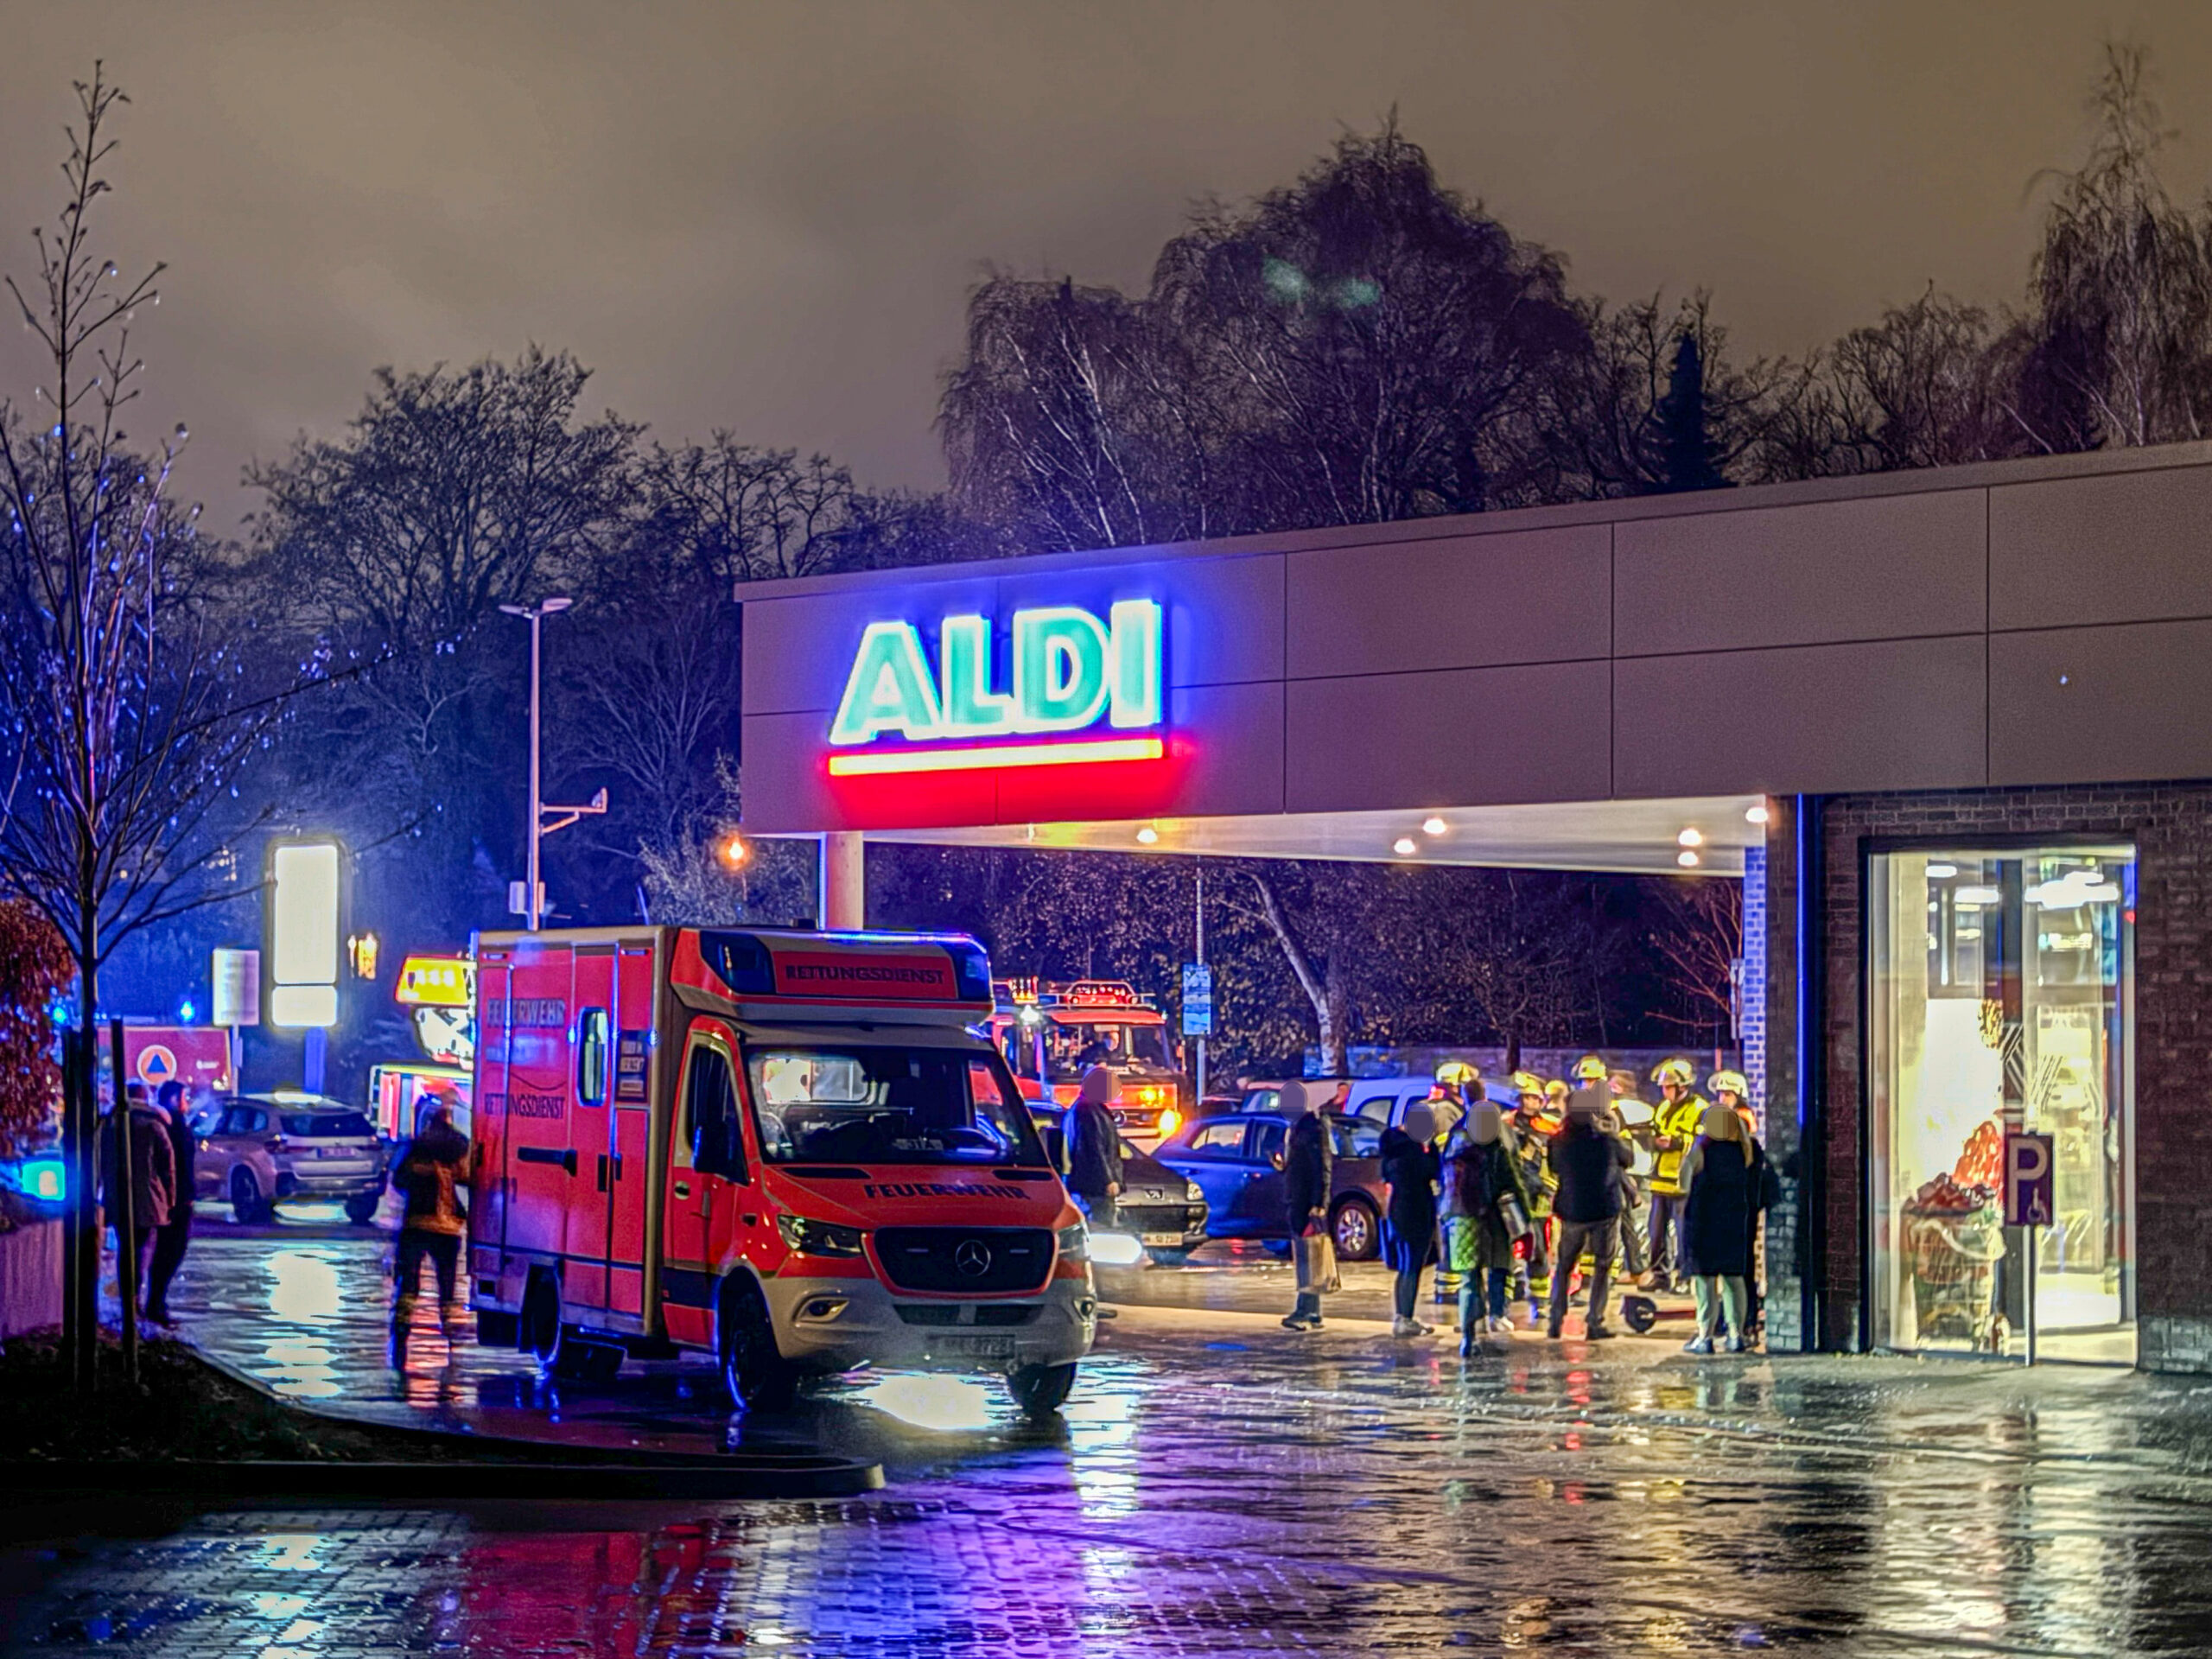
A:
(1954, 1256)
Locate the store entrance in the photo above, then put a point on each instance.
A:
(2000, 996)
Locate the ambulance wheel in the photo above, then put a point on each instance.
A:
(757, 1377)
(247, 1206)
(362, 1210)
(540, 1332)
(1041, 1390)
(1640, 1313)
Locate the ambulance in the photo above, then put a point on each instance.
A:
(794, 1151)
(1052, 1034)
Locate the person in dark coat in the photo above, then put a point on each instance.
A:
(173, 1235)
(1409, 1166)
(1588, 1160)
(1094, 1143)
(1308, 1166)
(430, 1174)
(151, 1177)
(1724, 1181)
(1480, 1175)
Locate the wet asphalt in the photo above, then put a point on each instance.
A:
(1218, 1486)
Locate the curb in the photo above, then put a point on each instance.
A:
(736, 1476)
(464, 1464)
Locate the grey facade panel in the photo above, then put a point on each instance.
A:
(2134, 547)
(1461, 737)
(1538, 596)
(2097, 705)
(1812, 720)
(1223, 616)
(1884, 568)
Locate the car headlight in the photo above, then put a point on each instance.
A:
(1193, 1194)
(1075, 1243)
(810, 1237)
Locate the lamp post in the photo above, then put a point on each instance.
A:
(534, 614)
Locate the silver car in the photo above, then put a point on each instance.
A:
(259, 1150)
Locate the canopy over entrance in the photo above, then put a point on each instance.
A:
(1632, 837)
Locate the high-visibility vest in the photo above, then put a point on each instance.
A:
(1682, 1121)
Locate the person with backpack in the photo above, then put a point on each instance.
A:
(429, 1174)
(1485, 1206)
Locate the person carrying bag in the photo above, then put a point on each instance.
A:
(1307, 1158)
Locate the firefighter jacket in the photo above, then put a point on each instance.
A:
(1679, 1122)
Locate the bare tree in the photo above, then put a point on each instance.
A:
(129, 701)
(736, 512)
(1698, 943)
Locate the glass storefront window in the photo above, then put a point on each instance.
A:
(2000, 997)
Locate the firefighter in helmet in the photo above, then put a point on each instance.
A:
(1533, 1122)
(1635, 1116)
(1729, 1088)
(1674, 1127)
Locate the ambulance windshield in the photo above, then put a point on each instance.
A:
(888, 1105)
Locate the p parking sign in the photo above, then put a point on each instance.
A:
(2031, 1181)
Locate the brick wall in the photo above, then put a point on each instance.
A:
(2170, 824)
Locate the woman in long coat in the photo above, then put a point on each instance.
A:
(1723, 1179)
(1409, 1166)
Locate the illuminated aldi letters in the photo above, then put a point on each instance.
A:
(1069, 673)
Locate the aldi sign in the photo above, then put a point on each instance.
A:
(1069, 687)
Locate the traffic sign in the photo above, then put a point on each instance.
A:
(238, 988)
(1198, 1000)
(2031, 1181)
(156, 1064)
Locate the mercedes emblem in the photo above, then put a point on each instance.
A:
(973, 1257)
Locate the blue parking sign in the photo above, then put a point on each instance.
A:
(2031, 1181)
(1198, 1000)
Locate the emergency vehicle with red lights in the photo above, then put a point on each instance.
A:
(1050, 1034)
(793, 1150)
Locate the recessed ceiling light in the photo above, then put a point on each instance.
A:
(1433, 826)
(1690, 838)
(1147, 836)
(1687, 858)
(1757, 814)
(1403, 847)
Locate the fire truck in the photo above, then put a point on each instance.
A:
(791, 1150)
(1052, 1034)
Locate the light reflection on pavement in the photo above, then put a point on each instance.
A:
(1221, 1486)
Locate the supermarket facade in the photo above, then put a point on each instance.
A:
(1952, 729)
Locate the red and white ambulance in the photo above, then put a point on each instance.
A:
(792, 1150)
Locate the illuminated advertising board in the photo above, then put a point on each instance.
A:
(1070, 688)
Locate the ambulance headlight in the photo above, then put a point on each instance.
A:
(819, 1237)
(1170, 1120)
(1075, 1243)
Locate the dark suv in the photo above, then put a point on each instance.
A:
(1236, 1161)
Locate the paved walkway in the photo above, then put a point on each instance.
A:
(1221, 1486)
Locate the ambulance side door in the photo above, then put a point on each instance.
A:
(487, 1192)
(541, 1164)
(630, 1166)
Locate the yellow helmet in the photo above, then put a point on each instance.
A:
(1729, 1083)
(1459, 1072)
(1526, 1082)
(1590, 1069)
(1555, 1091)
(1676, 1071)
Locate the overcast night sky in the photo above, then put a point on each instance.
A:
(767, 217)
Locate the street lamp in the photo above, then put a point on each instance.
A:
(534, 614)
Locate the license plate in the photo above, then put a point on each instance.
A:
(1163, 1238)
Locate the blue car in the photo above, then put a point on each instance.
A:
(1236, 1161)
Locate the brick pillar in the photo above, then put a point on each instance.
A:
(1750, 1000)
(1775, 1079)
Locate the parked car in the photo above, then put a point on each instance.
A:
(1236, 1161)
(1165, 1210)
(260, 1150)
